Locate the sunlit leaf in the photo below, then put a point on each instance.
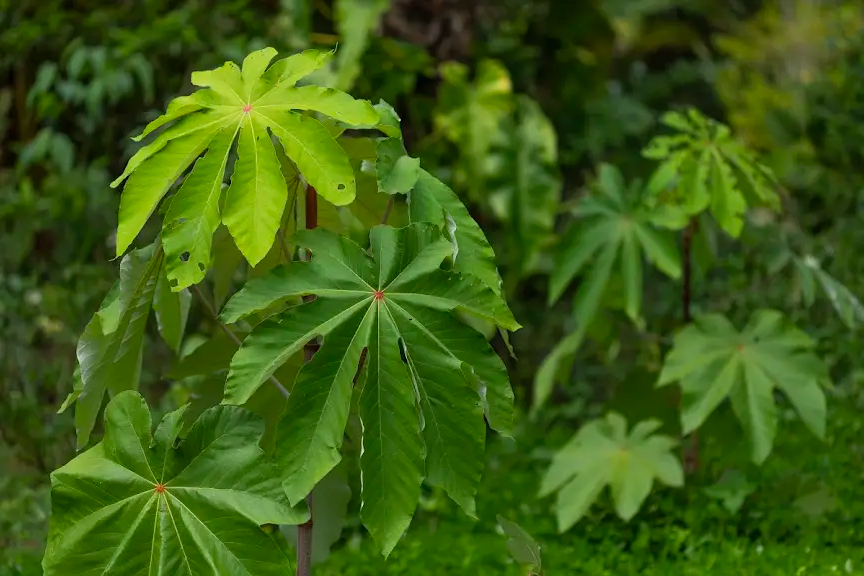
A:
(245, 104)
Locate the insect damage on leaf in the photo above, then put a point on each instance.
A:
(422, 397)
(257, 106)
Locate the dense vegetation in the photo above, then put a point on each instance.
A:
(673, 193)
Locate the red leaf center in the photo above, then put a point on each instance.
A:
(160, 488)
(379, 295)
(247, 108)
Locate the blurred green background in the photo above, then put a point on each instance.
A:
(481, 85)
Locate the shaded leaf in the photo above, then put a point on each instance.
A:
(157, 504)
(603, 454)
(713, 361)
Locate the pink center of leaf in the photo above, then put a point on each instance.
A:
(160, 488)
(739, 347)
(247, 108)
(379, 295)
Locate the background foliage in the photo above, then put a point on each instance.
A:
(516, 105)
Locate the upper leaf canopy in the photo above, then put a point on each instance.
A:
(705, 166)
(602, 453)
(245, 104)
(429, 378)
(139, 503)
(713, 361)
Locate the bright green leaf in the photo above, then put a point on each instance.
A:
(248, 103)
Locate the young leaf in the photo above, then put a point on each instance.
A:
(138, 503)
(712, 361)
(601, 454)
(245, 104)
(523, 548)
(397, 305)
(109, 350)
(704, 166)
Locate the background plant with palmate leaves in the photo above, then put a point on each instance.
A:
(388, 315)
(703, 168)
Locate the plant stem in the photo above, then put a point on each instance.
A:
(304, 531)
(387, 210)
(691, 449)
(230, 333)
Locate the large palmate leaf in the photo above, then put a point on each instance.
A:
(428, 377)
(603, 453)
(246, 105)
(705, 166)
(613, 231)
(713, 361)
(139, 503)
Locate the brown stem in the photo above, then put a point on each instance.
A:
(304, 531)
(691, 449)
(387, 210)
(230, 333)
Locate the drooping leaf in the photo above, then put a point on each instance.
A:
(603, 453)
(523, 548)
(109, 350)
(355, 21)
(139, 503)
(471, 114)
(704, 166)
(246, 104)
(524, 186)
(428, 376)
(172, 310)
(848, 306)
(713, 361)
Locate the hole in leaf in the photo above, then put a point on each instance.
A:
(402, 353)
(201, 266)
(184, 257)
(340, 187)
(174, 282)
